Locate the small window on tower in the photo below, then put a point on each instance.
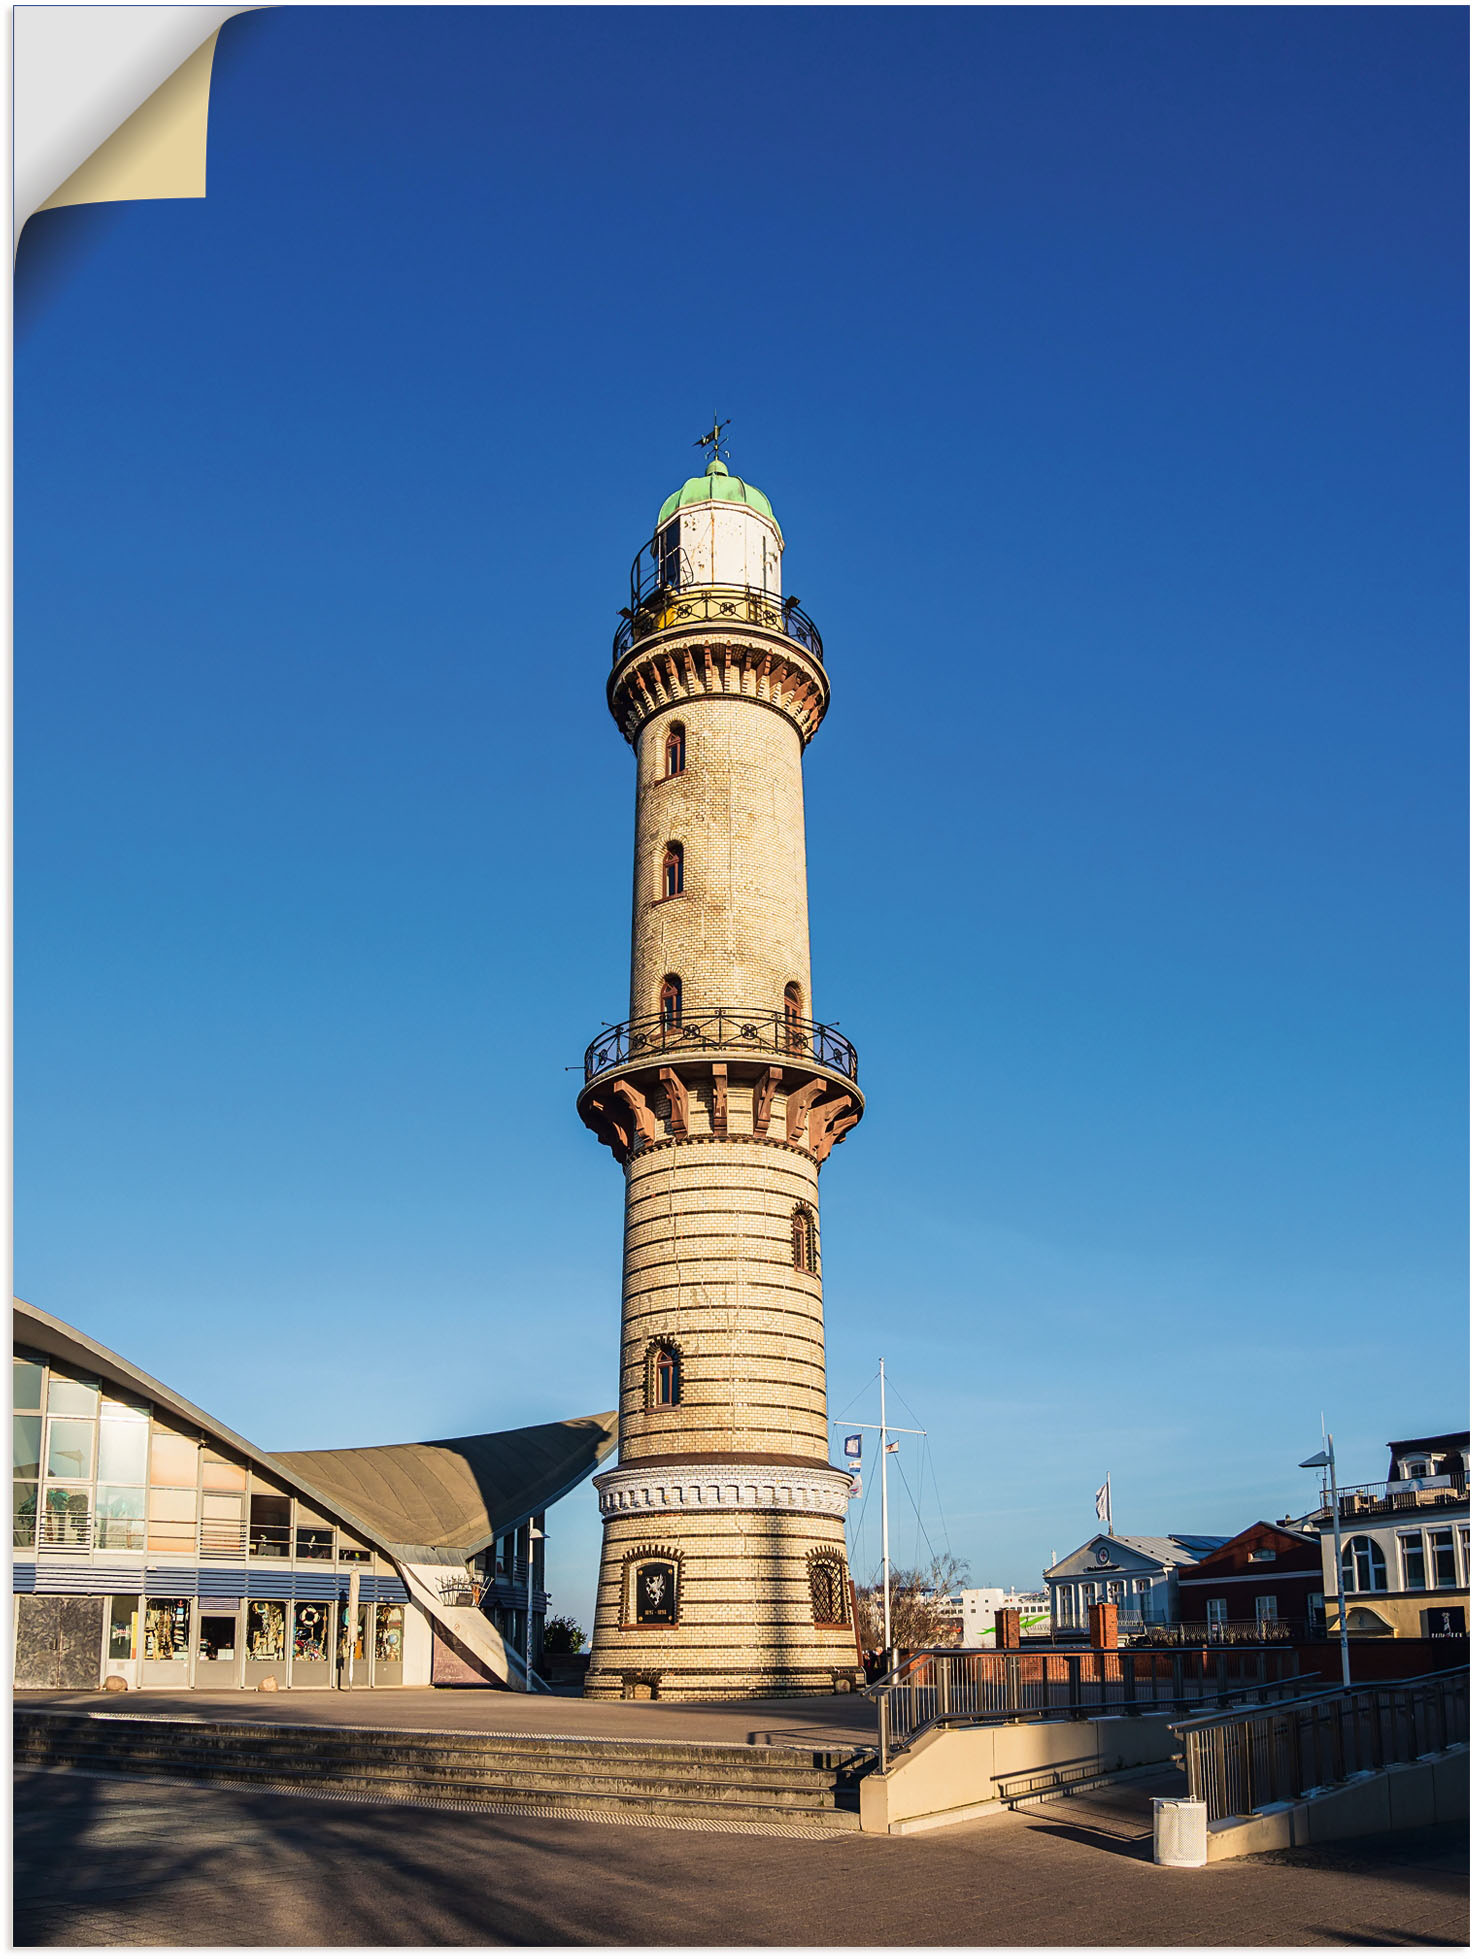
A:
(673, 880)
(827, 1582)
(792, 1021)
(671, 1000)
(674, 749)
(804, 1240)
(664, 1378)
(668, 546)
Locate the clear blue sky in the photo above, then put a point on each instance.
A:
(1106, 369)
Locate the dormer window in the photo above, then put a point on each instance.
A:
(1263, 1555)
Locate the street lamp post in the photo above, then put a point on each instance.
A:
(1325, 1460)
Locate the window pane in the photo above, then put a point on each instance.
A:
(122, 1630)
(388, 1633)
(23, 1498)
(313, 1543)
(175, 1459)
(173, 1506)
(69, 1397)
(69, 1450)
(120, 1519)
(216, 1636)
(1413, 1562)
(26, 1383)
(119, 1408)
(222, 1475)
(26, 1460)
(171, 1537)
(1443, 1563)
(122, 1452)
(265, 1630)
(166, 1629)
(309, 1632)
(66, 1518)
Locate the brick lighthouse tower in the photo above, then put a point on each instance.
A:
(723, 1569)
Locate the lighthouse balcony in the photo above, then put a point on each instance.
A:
(669, 608)
(756, 1030)
(729, 1075)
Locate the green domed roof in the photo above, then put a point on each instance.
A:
(717, 485)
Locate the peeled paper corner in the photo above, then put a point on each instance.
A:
(159, 151)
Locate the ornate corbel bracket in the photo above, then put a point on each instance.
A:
(679, 1103)
(799, 1104)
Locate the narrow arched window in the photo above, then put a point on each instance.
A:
(804, 1239)
(674, 749)
(792, 1021)
(1363, 1565)
(826, 1580)
(671, 1000)
(673, 879)
(664, 1378)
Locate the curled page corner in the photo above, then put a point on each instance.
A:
(111, 103)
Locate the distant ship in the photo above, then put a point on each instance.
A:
(980, 1606)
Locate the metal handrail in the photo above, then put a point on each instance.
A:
(1408, 1493)
(668, 606)
(943, 1686)
(769, 1030)
(1239, 1761)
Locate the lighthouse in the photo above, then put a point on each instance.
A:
(721, 1096)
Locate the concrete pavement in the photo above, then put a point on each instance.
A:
(129, 1863)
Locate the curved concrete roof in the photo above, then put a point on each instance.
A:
(458, 1494)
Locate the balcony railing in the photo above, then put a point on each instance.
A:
(765, 1030)
(724, 605)
(1224, 1632)
(1411, 1493)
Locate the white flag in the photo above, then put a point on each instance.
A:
(1101, 1501)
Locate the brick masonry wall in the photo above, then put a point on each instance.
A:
(739, 933)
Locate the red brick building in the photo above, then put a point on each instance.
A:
(1267, 1575)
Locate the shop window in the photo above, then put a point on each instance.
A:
(829, 1592)
(804, 1239)
(270, 1526)
(72, 1397)
(1363, 1566)
(23, 1512)
(309, 1632)
(265, 1629)
(388, 1634)
(26, 1377)
(1443, 1560)
(1413, 1561)
(69, 1446)
(654, 1592)
(122, 1627)
(360, 1641)
(674, 749)
(216, 1636)
(166, 1629)
(26, 1447)
(672, 874)
(122, 1452)
(173, 1461)
(119, 1518)
(671, 1000)
(663, 1386)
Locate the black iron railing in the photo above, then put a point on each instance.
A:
(730, 605)
(945, 1688)
(1240, 1761)
(765, 1030)
(1412, 1493)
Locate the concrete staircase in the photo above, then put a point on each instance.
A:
(710, 1784)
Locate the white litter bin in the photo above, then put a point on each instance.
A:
(1180, 1833)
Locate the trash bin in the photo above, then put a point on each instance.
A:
(1180, 1833)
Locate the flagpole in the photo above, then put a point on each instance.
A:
(884, 1504)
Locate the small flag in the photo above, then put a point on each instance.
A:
(855, 1483)
(1101, 1501)
(853, 1445)
(892, 1448)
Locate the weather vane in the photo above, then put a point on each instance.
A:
(713, 440)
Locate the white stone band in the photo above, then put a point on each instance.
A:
(723, 1486)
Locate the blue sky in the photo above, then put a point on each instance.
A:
(1106, 370)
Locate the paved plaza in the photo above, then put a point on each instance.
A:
(104, 1862)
